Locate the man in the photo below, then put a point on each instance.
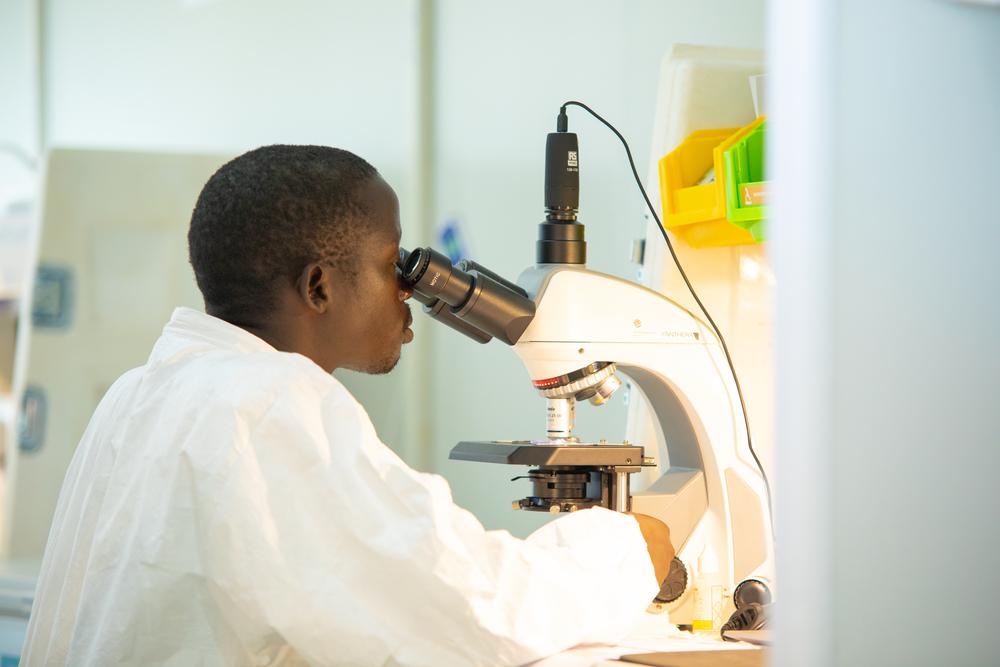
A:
(231, 504)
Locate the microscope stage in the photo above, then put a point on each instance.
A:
(524, 452)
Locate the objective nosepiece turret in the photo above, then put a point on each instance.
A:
(595, 383)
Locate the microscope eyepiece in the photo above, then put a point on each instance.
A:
(412, 265)
(429, 272)
(480, 303)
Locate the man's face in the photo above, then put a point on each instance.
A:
(374, 321)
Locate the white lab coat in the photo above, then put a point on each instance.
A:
(230, 504)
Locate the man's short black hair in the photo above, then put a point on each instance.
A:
(263, 216)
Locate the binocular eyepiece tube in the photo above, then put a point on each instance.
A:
(468, 297)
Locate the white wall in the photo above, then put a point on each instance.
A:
(18, 75)
(502, 72)
(223, 77)
(888, 320)
(226, 76)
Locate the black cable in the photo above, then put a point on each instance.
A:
(677, 263)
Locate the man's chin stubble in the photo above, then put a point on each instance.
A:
(385, 366)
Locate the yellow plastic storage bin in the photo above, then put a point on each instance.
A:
(693, 210)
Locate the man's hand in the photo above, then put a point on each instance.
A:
(657, 536)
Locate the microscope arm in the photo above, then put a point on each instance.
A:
(706, 486)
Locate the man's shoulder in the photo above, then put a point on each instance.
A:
(242, 379)
(125, 385)
(288, 370)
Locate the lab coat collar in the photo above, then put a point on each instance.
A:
(187, 326)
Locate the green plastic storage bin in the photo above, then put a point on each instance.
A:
(745, 178)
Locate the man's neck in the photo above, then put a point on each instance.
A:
(287, 337)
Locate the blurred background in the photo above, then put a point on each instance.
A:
(451, 101)
(870, 338)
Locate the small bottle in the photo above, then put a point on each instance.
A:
(708, 592)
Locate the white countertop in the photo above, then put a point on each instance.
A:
(653, 633)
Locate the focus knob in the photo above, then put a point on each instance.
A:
(675, 583)
(750, 591)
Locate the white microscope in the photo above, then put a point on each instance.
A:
(577, 332)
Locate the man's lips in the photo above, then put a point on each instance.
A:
(407, 331)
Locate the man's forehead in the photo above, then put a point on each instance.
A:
(384, 234)
(384, 241)
(383, 208)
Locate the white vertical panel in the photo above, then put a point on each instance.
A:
(887, 322)
(801, 76)
(917, 323)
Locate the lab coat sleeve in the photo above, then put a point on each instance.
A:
(324, 535)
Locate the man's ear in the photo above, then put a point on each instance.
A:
(315, 287)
